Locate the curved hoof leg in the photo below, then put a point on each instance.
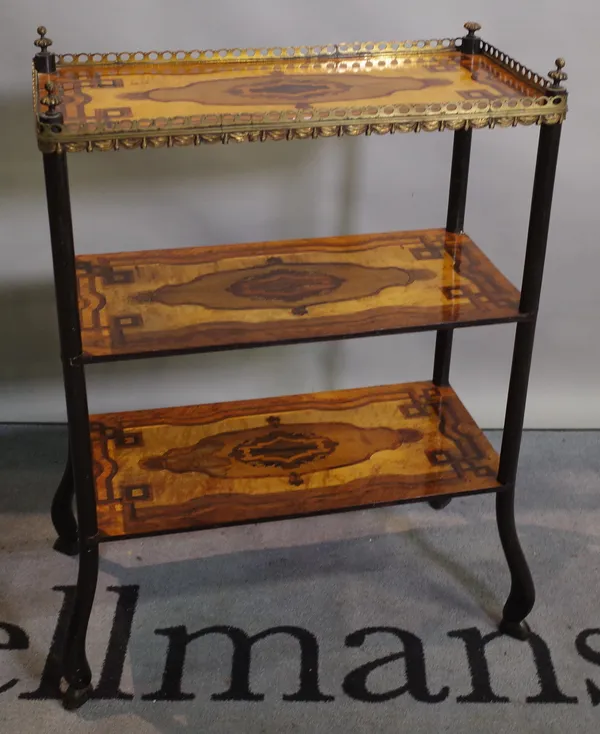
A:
(522, 591)
(518, 630)
(73, 698)
(438, 503)
(66, 547)
(76, 669)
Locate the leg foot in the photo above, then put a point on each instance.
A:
(62, 514)
(518, 630)
(76, 670)
(66, 547)
(438, 503)
(522, 591)
(73, 698)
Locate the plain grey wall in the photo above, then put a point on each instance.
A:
(234, 193)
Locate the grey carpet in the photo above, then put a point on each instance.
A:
(435, 580)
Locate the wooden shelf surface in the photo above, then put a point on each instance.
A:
(194, 299)
(228, 463)
(133, 100)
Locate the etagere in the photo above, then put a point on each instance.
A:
(157, 471)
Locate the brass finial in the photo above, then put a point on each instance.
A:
(51, 100)
(472, 28)
(42, 42)
(558, 75)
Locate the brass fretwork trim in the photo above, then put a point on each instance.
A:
(154, 140)
(328, 50)
(515, 67)
(549, 108)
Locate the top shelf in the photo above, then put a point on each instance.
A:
(138, 100)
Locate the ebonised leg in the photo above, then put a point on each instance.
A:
(457, 201)
(63, 517)
(522, 591)
(76, 670)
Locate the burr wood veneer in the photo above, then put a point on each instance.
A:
(193, 467)
(151, 302)
(146, 90)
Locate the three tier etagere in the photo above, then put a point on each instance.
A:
(158, 471)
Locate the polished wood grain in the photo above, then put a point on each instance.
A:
(194, 467)
(143, 303)
(106, 93)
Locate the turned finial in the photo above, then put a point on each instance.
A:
(44, 61)
(471, 44)
(51, 100)
(42, 42)
(472, 28)
(558, 75)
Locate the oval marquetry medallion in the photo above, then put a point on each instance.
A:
(281, 88)
(299, 283)
(268, 451)
(286, 284)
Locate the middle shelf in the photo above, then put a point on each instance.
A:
(156, 302)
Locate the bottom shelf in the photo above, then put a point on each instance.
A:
(227, 463)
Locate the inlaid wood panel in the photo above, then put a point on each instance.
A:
(204, 466)
(127, 101)
(146, 90)
(144, 303)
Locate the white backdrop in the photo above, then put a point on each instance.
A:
(234, 193)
